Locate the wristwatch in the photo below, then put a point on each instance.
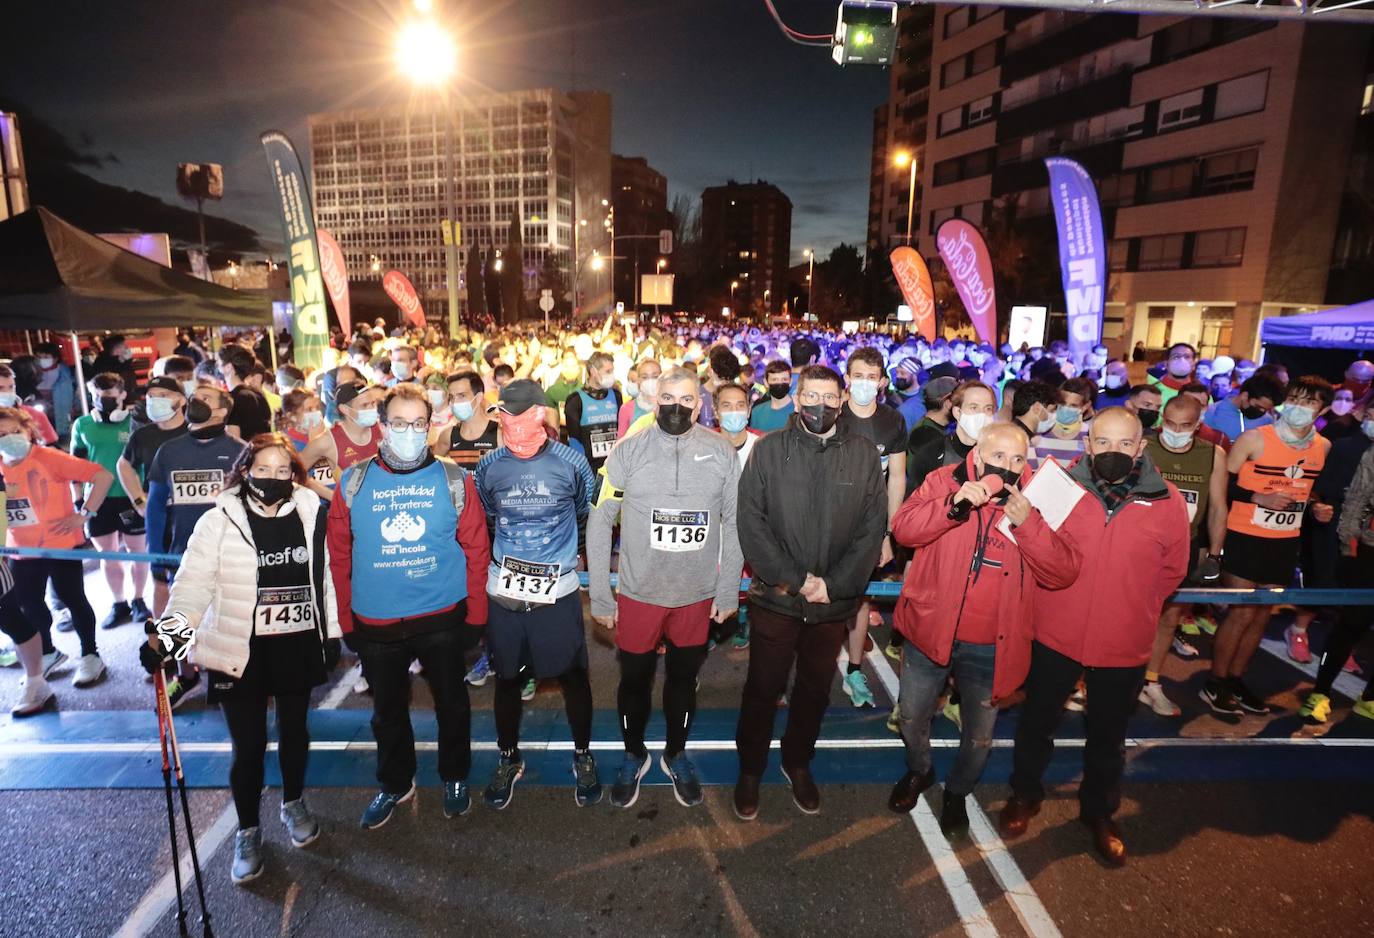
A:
(85, 512)
(140, 501)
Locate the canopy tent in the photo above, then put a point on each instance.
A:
(55, 276)
(1322, 343)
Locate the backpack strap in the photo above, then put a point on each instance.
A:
(457, 476)
(355, 480)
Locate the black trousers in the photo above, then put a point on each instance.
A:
(1357, 573)
(247, 721)
(69, 584)
(1112, 696)
(634, 697)
(386, 665)
(577, 703)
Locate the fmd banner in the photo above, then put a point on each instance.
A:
(310, 324)
(1082, 252)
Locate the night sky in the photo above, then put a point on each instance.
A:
(707, 90)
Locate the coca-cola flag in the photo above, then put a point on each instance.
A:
(335, 275)
(402, 292)
(965, 254)
(913, 277)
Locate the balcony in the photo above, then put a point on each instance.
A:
(1074, 40)
(1099, 158)
(1096, 97)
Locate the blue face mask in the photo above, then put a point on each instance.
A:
(462, 410)
(1368, 428)
(863, 391)
(408, 445)
(734, 421)
(1066, 416)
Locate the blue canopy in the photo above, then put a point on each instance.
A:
(1350, 327)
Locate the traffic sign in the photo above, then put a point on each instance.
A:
(546, 300)
(665, 241)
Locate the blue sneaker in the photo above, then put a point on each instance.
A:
(383, 806)
(457, 801)
(479, 673)
(501, 789)
(625, 791)
(588, 789)
(683, 774)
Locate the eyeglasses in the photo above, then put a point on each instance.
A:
(400, 426)
(811, 398)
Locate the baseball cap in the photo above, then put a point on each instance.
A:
(1223, 365)
(346, 392)
(167, 384)
(937, 389)
(520, 395)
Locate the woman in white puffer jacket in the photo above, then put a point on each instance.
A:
(254, 601)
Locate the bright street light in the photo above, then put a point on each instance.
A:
(425, 53)
(901, 158)
(598, 262)
(906, 158)
(497, 264)
(662, 263)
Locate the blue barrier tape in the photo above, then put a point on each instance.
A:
(877, 589)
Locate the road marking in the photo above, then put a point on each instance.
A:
(969, 907)
(1346, 684)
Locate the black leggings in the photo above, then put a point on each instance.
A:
(247, 721)
(1356, 572)
(577, 701)
(28, 602)
(634, 698)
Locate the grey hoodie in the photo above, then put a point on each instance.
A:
(674, 498)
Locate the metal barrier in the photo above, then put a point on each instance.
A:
(877, 589)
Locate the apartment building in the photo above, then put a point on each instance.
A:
(746, 237)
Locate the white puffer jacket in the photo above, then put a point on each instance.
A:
(216, 586)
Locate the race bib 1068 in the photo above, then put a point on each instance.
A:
(283, 609)
(675, 530)
(196, 486)
(527, 582)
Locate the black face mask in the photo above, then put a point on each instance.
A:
(1112, 467)
(1148, 418)
(902, 382)
(779, 391)
(197, 411)
(105, 406)
(1010, 477)
(674, 419)
(268, 491)
(1252, 412)
(819, 418)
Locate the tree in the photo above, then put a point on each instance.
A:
(838, 285)
(513, 275)
(685, 261)
(477, 294)
(1025, 259)
(881, 295)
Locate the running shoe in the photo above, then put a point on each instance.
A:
(119, 613)
(1296, 640)
(8, 657)
(1188, 625)
(457, 801)
(893, 652)
(683, 774)
(179, 689)
(856, 689)
(587, 791)
(1364, 708)
(35, 699)
(741, 639)
(62, 620)
(1153, 696)
(360, 686)
(1183, 649)
(625, 791)
(477, 677)
(1316, 709)
(1351, 665)
(52, 661)
(1219, 697)
(501, 789)
(954, 715)
(527, 692)
(416, 668)
(301, 825)
(1248, 699)
(89, 670)
(382, 807)
(1207, 624)
(894, 721)
(875, 619)
(247, 856)
(1077, 700)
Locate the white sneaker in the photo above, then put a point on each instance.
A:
(52, 661)
(1183, 649)
(360, 686)
(36, 696)
(89, 669)
(1152, 696)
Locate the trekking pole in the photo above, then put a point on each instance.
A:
(160, 688)
(165, 707)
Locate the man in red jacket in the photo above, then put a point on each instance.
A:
(1131, 527)
(966, 607)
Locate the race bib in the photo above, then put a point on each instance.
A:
(20, 513)
(283, 609)
(323, 473)
(603, 441)
(196, 486)
(1189, 499)
(1287, 520)
(673, 530)
(527, 582)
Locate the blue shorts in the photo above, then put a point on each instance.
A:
(548, 640)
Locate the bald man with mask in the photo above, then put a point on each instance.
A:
(1131, 527)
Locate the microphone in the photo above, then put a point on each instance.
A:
(960, 509)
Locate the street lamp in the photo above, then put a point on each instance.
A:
(810, 269)
(376, 264)
(733, 285)
(904, 158)
(662, 263)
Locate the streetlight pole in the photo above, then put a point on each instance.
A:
(903, 158)
(451, 239)
(810, 276)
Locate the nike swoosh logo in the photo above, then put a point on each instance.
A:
(700, 458)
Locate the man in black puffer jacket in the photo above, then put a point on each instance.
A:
(812, 513)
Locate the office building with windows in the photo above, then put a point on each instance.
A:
(541, 155)
(640, 199)
(746, 239)
(1218, 146)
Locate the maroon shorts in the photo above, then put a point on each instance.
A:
(641, 626)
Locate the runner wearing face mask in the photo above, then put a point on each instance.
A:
(645, 392)
(165, 405)
(772, 412)
(538, 493)
(1116, 386)
(972, 406)
(1145, 402)
(1179, 368)
(1248, 409)
(592, 412)
(9, 397)
(1066, 439)
(1272, 474)
(475, 433)
(672, 489)
(302, 419)
(1032, 406)
(357, 434)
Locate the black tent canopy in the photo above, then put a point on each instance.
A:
(55, 276)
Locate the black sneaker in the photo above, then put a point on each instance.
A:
(587, 791)
(119, 612)
(1248, 699)
(683, 774)
(501, 789)
(139, 611)
(953, 817)
(1220, 699)
(179, 689)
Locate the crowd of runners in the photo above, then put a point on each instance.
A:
(433, 505)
